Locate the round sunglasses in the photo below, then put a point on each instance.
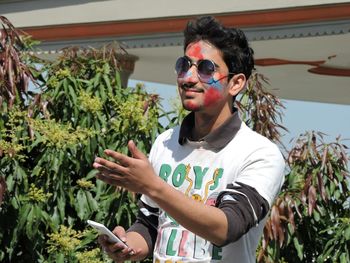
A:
(205, 69)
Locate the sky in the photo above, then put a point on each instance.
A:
(299, 116)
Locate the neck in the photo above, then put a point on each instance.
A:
(208, 122)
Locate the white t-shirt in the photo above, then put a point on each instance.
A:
(202, 173)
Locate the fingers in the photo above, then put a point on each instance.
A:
(123, 170)
(116, 251)
(110, 179)
(120, 232)
(135, 152)
(111, 173)
(122, 159)
(101, 163)
(108, 168)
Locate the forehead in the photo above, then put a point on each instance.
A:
(203, 49)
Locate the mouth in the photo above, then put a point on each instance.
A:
(191, 89)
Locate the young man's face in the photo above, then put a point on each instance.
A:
(197, 92)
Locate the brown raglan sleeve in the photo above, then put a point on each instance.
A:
(244, 208)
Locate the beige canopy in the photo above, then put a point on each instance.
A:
(303, 47)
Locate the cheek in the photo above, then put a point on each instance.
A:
(219, 82)
(218, 86)
(212, 96)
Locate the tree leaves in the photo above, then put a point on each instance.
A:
(14, 72)
(50, 139)
(261, 110)
(309, 221)
(316, 192)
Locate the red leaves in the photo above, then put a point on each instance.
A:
(277, 231)
(317, 178)
(321, 187)
(276, 226)
(262, 109)
(311, 199)
(14, 73)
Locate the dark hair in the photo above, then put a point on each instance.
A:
(232, 42)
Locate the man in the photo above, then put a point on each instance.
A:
(207, 185)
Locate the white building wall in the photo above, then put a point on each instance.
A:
(54, 12)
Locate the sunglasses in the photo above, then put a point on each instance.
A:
(205, 69)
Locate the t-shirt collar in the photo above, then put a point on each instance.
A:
(216, 139)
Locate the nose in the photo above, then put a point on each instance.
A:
(191, 76)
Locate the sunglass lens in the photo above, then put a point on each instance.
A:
(182, 65)
(206, 68)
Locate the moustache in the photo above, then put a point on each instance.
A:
(189, 86)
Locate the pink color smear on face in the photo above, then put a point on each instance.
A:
(195, 51)
(212, 96)
(191, 106)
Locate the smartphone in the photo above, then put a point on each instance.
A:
(102, 229)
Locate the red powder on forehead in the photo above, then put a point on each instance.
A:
(212, 96)
(195, 51)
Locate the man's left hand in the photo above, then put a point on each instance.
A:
(134, 173)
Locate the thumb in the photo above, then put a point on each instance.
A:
(135, 152)
(120, 232)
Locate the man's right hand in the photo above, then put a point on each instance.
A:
(117, 251)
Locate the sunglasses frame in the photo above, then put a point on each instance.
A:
(202, 76)
(207, 78)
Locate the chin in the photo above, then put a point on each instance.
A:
(191, 106)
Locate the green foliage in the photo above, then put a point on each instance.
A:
(48, 142)
(49, 138)
(316, 193)
(309, 221)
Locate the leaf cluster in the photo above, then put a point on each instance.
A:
(49, 137)
(15, 72)
(309, 220)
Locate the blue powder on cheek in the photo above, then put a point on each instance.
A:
(215, 84)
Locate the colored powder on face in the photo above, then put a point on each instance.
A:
(219, 85)
(188, 75)
(212, 96)
(191, 106)
(195, 51)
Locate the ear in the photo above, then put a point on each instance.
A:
(237, 84)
